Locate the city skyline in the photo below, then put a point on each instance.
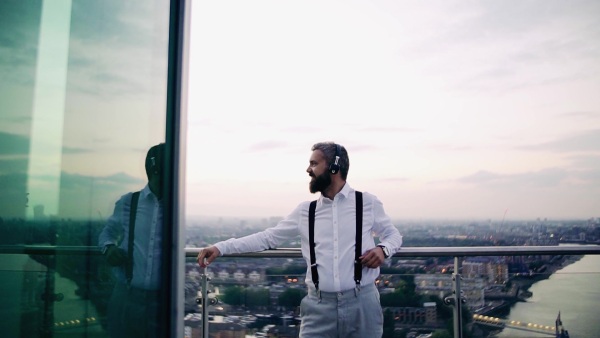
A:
(448, 110)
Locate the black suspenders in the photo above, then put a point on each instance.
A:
(358, 245)
(132, 212)
(311, 239)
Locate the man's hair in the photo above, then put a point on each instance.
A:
(154, 160)
(329, 150)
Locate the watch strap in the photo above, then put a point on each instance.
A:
(386, 252)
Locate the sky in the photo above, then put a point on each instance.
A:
(83, 92)
(448, 109)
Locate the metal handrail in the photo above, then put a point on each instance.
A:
(296, 253)
(441, 251)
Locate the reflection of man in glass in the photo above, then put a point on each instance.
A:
(131, 243)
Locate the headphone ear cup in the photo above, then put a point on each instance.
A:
(335, 167)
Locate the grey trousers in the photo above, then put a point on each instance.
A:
(347, 314)
(133, 313)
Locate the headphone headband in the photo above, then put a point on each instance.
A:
(335, 166)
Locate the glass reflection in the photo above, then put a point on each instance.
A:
(83, 92)
(131, 241)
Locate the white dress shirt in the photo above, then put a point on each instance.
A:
(335, 236)
(147, 243)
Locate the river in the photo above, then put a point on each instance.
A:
(574, 291)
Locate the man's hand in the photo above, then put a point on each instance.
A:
(372, 258)
(115, 256)
(207, 255)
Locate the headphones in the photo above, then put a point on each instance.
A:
(154, 165)
(335, 167)
(154, 158)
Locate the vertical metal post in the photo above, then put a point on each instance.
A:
(204, 303)
(49, 299)
(175, 138)
(457, 299)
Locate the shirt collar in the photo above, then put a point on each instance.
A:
(346, 190)
(146, 191)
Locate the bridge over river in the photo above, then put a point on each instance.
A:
(557, 330)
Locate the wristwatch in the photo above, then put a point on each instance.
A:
(386, 251)
(105, 249)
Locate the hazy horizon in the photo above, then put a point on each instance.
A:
(191, 219)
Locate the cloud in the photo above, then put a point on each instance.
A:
(76, 181)
(583, 142)
(480, 177)
(19, 30)
(586, 169)
(588, 177)
(266, 146)
(544, 178)
(13, 196)
(115, 50)
(395, 179)
(383, 129)
(449, 147)
(13, 181)
(581, 115)
(302, 129)
(80, 195)
(500, 46)
(12, 144)
(71, 150)
(120, 178)
(361, 148)
(13, 166)
(591, 162)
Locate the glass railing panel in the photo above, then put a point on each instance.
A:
(502, 296)
(249, 296)
(55, 297)
(84, 97)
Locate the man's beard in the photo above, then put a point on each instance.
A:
(320, 183)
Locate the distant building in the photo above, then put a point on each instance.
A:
(441, 285)
(226, 330)
(430, 312)
(494, 270)
(498, 272)
(254, 276)
(193, 329)
(472, 269)
(239, 275)
(283, 332)
(426, 315)
(223, 274)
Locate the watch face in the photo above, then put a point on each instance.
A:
(386, 251)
